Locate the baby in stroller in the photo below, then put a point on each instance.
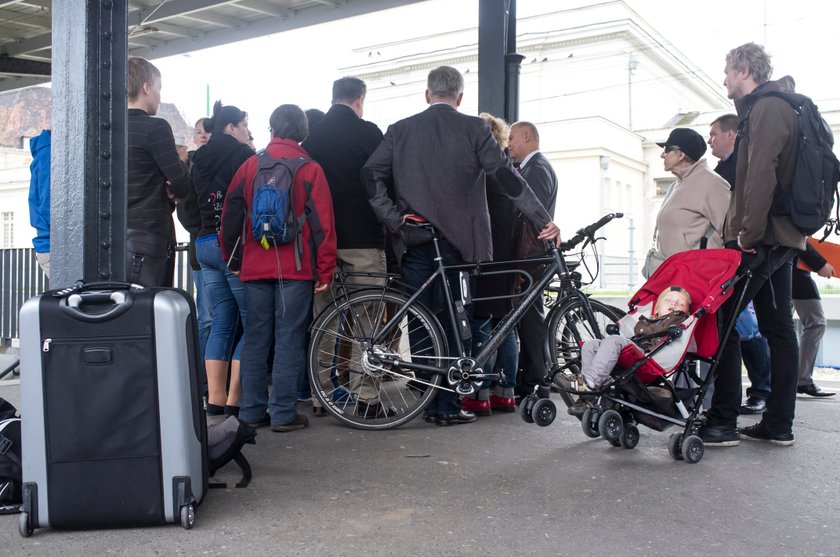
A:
(599, 356)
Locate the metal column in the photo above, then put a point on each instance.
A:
(498, 63)
(89, 153)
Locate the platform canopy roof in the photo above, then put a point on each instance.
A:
(159, 28)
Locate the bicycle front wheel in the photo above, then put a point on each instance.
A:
(362, 383)
(568, 328)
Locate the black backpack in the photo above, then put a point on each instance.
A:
(11, 469)
(224, 443)
(813, 189)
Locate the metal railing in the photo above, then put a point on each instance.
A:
(21, 278)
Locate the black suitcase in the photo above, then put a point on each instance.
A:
(114, 431)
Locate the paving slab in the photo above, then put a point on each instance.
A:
(498, 487)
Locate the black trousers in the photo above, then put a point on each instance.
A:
(770, 291)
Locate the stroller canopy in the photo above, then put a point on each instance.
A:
(702, 273)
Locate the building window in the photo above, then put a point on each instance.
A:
(8, 229)
(662, 185)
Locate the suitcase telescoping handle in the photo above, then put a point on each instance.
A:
(80, 304)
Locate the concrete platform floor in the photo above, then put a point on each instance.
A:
(499, 487)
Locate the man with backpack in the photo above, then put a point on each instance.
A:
(768, 239)
(278, 233)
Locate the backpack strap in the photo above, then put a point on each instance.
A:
(5, 445)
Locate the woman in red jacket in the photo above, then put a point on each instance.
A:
(280, 278)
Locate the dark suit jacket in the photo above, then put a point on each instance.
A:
(540, 176)
(438, 159)
(341, 143)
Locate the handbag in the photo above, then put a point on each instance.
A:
(652, 262)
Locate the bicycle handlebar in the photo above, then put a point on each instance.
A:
(588, 232)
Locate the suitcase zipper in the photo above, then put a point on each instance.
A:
(45, 347)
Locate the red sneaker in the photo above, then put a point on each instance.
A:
(502, 404)
(478, 407)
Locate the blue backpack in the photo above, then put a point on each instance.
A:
(273, 220)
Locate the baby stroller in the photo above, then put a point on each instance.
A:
(641, 388)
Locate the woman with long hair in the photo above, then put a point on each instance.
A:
(213, 167)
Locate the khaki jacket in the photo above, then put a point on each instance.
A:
(698, 200)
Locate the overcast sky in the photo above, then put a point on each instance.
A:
(801, 35)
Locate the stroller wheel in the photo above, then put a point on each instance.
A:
(692, 449)
(630, 438)
(525, 407)
(675, 446)
(611, 425)
(544, 412)
(589, 423)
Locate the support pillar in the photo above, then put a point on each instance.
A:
(89, 141)
(498, 63)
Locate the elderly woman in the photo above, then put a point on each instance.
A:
(694, 209)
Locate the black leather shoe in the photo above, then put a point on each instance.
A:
(719, 436)
(430, 418)
(813, 390)
(462, 417)
(754, 405)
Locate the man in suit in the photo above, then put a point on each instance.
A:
(524, 148)
(438, 160)
(341, 143)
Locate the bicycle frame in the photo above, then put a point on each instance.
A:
(556, 266)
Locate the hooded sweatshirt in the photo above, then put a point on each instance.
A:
(213, 167)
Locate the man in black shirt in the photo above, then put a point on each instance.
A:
(341, 143)
(156, 178)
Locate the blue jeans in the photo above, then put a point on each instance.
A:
(756, 355)
(418, 264)
(204, 317)
(506, 358)
(282, 312)
(227, 301)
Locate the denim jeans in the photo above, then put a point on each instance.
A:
(281, 311)
(204, 317)
(770, 290)
(226, 295)
(418, 264)
(506, 358)
(756, 355)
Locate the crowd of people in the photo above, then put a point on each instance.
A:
(491, 194)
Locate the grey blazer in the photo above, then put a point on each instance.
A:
(437, 160)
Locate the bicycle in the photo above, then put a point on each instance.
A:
(376, 354)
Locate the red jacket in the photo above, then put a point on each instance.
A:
(257, 263)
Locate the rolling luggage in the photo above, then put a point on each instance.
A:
(114, 432)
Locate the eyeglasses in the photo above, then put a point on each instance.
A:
(672, 148)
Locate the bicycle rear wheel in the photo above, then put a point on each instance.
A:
(356, 380)
(568, 329)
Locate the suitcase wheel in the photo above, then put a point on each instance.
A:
(25, 525)
(187, 517)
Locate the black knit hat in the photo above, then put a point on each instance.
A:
(688, 141)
